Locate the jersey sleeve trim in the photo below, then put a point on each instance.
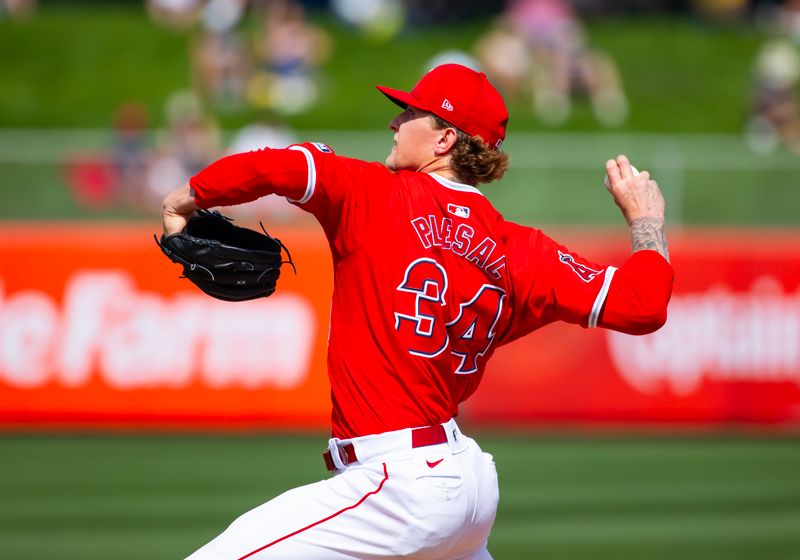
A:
(594, 316)
(312, 176)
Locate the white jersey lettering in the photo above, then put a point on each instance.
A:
(433, 233)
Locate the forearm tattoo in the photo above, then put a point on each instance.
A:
(648, 233)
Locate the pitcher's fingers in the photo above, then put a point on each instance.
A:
(612, 171)
(624, 164)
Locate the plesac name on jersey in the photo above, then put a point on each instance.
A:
(433, 232)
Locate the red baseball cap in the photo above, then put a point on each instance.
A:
(461, 96)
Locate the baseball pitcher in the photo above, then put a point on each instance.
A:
(430, 280)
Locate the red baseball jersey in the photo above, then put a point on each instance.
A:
(429, 279)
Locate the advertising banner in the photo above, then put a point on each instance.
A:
(97, 330)
(729, 352)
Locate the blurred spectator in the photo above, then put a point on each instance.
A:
(220, 56)
(788, 20)
(559, 63)
(91, 179)
(222, 16)
(17, 9)
(504, 56)
(377, 19)
(190, 142)
(131, 151)
(775, 115)
(177, 14)
(289, 50)
(99, 180)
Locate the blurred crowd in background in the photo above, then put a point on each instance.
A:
(268, 55)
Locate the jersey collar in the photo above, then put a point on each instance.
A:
(455, 186)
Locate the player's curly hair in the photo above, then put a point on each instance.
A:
(472, 160)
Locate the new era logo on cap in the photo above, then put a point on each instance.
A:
(447, 105)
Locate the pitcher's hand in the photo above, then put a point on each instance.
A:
(637, 196)
(176, 209)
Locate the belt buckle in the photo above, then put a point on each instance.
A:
(338, 457)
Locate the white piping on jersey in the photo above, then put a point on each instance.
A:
(601, 297)
(312, 176)
(455, 186)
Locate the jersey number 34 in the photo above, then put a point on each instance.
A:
(468, 336)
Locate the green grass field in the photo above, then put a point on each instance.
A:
(99, 497)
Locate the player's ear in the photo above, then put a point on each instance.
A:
(445, 140)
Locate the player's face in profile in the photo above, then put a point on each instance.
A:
(414, 137)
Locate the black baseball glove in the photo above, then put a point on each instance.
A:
(227, 262)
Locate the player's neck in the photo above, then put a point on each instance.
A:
(448, 176)
(441, 167)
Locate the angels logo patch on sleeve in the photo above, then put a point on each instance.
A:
(586, 274)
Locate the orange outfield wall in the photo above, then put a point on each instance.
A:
(98, 331)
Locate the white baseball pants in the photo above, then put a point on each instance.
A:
(433, 502)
